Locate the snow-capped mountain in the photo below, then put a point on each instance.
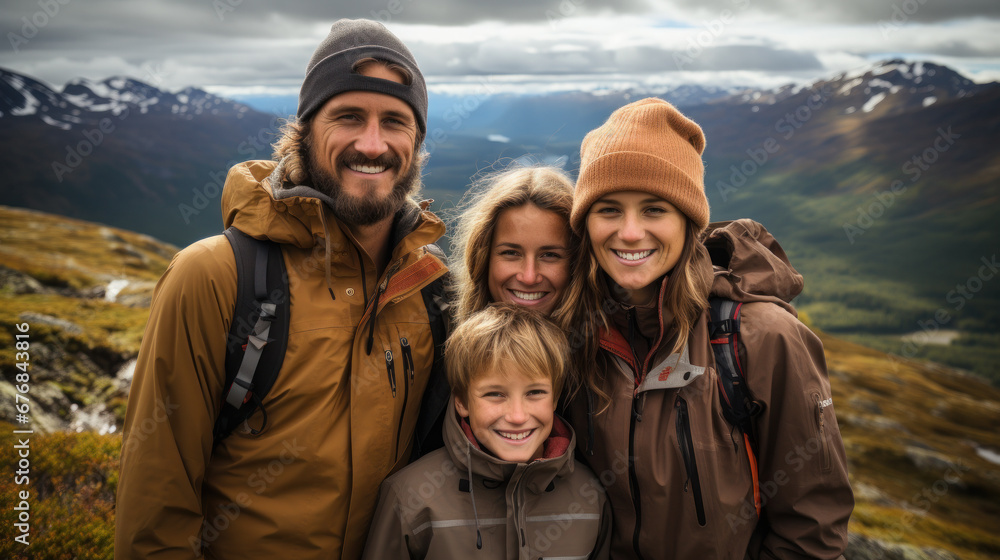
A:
(893, 85)
(83, 102)
(124, 152)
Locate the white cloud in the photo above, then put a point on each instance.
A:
(256, 46)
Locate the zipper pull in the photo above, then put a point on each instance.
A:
(408, 366)
(390, 370)
(638, 404)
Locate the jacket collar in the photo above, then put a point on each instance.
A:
(256, 202)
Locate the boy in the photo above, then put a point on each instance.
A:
(505, 485)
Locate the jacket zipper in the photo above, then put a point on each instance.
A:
(378, 295)
(825, 463)
(687, 451)
(633, 477)
(407, 380)
(634, 416)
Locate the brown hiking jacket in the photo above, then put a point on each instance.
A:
(677, 473)
(306, 487)
(549, 508)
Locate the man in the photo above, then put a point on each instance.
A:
(341, 414)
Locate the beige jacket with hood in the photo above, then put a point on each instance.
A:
(305, 488)
(550, 508)
(677, 474)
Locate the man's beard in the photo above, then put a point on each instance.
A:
(367, 209)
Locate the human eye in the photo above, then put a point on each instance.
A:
(605, 209)
(552, 255)
(538, 392)
(397, 121)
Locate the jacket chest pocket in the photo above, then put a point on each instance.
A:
(685, 442)
(406, 367)
(717, 478)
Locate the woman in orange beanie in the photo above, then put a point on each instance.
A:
(684, 481)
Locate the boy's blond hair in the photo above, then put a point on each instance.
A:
(505, 338)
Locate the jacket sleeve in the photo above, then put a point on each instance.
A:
(172, 406)
(390, 537)
(805, 492)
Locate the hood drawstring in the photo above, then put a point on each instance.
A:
(327, 257)
(472, 495)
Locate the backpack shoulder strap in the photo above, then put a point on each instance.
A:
(258, 335)
(437, 396)
(738, 405)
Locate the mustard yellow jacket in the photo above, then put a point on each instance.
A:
(305, 487)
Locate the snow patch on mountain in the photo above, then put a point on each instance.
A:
(850, 85)
(873, 101)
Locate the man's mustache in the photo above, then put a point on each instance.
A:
(387, 160)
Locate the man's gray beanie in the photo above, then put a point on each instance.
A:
(350, 40)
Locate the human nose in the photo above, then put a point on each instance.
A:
(371, 144)
(528, 274)
(516, 413)
(631, 229)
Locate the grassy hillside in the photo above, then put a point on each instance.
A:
(919, 439)
(83, 289)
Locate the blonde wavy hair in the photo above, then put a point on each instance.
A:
(546, 187)
(590, 303)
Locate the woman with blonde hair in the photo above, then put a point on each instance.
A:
(513, 242)
(682, 481)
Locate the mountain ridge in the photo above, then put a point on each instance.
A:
(83, 102)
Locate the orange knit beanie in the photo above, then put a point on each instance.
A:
(646, 146)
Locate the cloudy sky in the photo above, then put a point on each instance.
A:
(237, 47)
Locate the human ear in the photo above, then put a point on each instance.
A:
(462, 411)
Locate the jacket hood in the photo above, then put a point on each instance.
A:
(538, 474)
(750, 265)
(257, 203)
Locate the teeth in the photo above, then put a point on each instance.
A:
(370, 169)
(530, 296)
(634, 256)
(515, 436)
